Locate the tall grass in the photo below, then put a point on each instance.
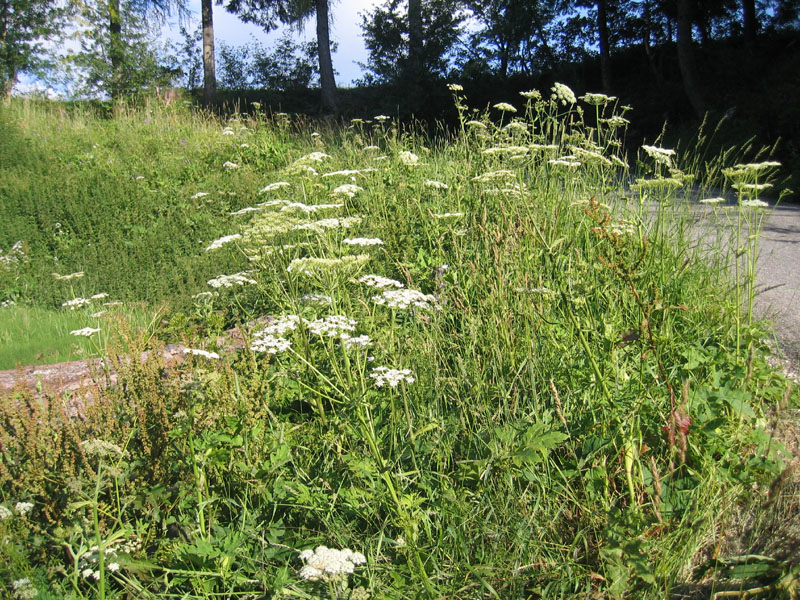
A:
(488, 364)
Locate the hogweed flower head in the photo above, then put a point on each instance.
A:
(531, 94)
(363, 241)
(76, 275)
(379, 282)
(405, 298)
(455, 87)
(23, 508)
(101, 448)
(203, 353)
(283, 325)
(391, 377)
(271, 344)
(5, 513)
(316, 299)
(230, 280)
(343, 173)
(361, 341)
(408, 158)
(597, 99)
(313, 157)
(347, 189)
(76, 303)
(272, 187)
(333, 326)
(218, 243)
(716, 200)
(328, 564)
(504, 107)
(24, 589)
(562, 93)
(439, 185)
(491, 176)
(662, 156)
(85, 332)
(753, 203)
(229, 166)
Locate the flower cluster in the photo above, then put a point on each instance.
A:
(332, 223)
(662, 156)
(363, 241)
(405, 299)
(76, 303)
(490, 176)
(333, 326)
(408, 158)
(308, 208)
(89, 561)
(310, 264)
(597, 99)
(391, 377)
(505, 107)
(347, 189)
(379, 282)
(439, 185)
(76, 275)
(85, 332)
(230, 280)
(21, 508)
(15, 254)
(101, 448)
(218, 243)
(272, 187)
(24, 589)
(328, 564)
(269, 343)
(562, 93)
(203, 353)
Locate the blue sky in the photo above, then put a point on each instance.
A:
(345, 31)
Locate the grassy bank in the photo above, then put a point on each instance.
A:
(501, 365)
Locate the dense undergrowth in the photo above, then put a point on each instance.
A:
(504, 365)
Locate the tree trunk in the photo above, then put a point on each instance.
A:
(326, 79)
(116, 50)
(749, 21)
(605, 52)
(415, 37)
(686, 57)
(209, 71)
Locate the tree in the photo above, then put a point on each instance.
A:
(118, 33)
(686, 57)
(516, 35)
(209, 74)
(25, 26)
(395, 55)
(120, 55)
(296, 12)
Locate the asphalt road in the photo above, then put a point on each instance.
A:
(777, 268)
(778, 275)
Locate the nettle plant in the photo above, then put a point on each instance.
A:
(489, 365)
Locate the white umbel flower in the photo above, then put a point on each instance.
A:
(379, 282)
(333, 326)
(203, 353)
(405, 299)
(391, 377)
(85, 332)
(327, 563)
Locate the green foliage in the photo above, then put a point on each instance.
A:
(25, 27)
(553, 405)
(386, 33)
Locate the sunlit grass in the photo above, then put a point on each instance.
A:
(31, 335)
(500, 364)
